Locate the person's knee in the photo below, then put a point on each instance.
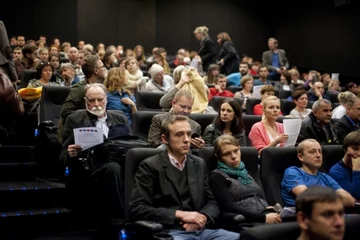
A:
(112, 168)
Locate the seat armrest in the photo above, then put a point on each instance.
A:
(231, 218)
(144, 226)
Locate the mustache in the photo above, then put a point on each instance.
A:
(98, 108)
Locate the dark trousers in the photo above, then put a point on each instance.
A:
(107, 186)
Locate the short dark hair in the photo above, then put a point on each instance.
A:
(298, 93)
(40, 68)
(306, 200)
(352, 139)
(89, 64)
(171, 120)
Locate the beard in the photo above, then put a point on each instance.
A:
(97, 111)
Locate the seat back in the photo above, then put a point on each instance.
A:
(26, 77)
(148, 101)
(51, 101)
(249, 121)
(250, 103)
(203, 119)
(216, 102)
(289, 230)
(141, 121)
(234, 89)
(333, 97)
(249, 156)
(332, 154)
(132, 160)
(286, 106)
(273, 163)
(284, 94)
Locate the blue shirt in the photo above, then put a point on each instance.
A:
(348, 179)
(275, 62)
(114, 103)
(258, 82)
(295, 176)
(233, 79)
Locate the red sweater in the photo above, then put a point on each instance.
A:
(214, 92)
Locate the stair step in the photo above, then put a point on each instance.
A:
(25, 171)
(31, 194)
(32, 222)
(16, 154)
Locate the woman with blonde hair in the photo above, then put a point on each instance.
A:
(139, 52)
(268, 132)
(119, 98)
(207, 50)
(229, 59)
(340, 110)
(160, 58)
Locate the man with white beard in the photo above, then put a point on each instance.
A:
(105, 174)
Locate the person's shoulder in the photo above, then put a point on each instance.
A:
(154, 160)
(195, 159)
(292, 170)
(161, 116)
(78, 113)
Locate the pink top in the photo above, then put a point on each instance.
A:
(259, 136)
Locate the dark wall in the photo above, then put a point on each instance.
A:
(117, 22)
(321, 36)
(245, 21)
(31, 18)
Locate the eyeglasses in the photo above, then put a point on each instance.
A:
(103, 67)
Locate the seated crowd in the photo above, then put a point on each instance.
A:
(174, 188)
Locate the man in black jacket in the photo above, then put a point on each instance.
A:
(350, 121)
(172, 188)
(106, 179)
(318, 124)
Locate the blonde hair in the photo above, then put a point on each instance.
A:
(294, 72)
(245, 79)
(332, 83)
(116, 79)
(266, 102)
(344, 97)
(203, 30)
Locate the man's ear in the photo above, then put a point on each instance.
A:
(172, 102)
(300, 157)
(302, 220)
(164, 139)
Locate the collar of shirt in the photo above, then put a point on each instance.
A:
(353, 124)
(176, 164)
(101, 123)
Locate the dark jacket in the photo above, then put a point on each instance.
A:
(154, 136)
(231, 58)
(156, 198)
(6, 60)
(310, 128)
(82, 118)
(267, 59)
(212, 132)
(343, 127)
(207, 53)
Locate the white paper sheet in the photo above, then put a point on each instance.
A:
(292, 129)
(335, 76)
(88, 137)
(256, 91)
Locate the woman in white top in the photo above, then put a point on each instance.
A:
(301, 101)
(247, 83)
(340, 110)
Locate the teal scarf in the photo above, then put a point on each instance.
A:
(239, 173)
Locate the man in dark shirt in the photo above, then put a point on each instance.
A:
(172, 188)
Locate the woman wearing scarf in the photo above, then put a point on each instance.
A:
(234, 189)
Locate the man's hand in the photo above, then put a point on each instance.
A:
(198, 142)
(218, 88)
(74, 150)
(191, 217)
(191, 227)
(272, 218)
(355, 163)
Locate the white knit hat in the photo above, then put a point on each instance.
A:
(155, 69)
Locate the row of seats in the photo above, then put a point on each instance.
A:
(274, 161)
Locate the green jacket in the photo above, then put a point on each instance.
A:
(73, 102)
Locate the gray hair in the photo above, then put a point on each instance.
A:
(95, 85)
(66, 66)
(317, 103)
